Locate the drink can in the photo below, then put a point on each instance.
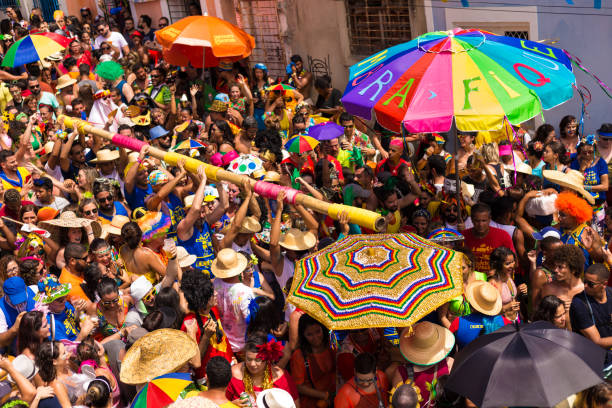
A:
(244, 397)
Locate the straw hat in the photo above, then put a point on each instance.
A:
(64, 81)
(105, 155)
(218, 106)
(272, 177)
(573, 179)
(68, 219)
(427, 345)
(48, 149)
(275, 398)
(157, 353)
(114, 227)
(297, 240)
(521, 167)
(250, 225)
(184, 258)
(228, 264)
(484, 297)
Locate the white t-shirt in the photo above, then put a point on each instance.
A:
(233, 304)
(59, 203)
(114, 38)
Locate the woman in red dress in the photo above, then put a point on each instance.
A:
(259, 372)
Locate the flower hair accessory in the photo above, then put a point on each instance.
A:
(590, 140)
(271, 351)
(253, 259)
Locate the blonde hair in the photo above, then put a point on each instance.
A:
(489, 152)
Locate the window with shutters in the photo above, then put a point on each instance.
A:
(377, 24)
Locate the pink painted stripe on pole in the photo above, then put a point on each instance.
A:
(128, 142)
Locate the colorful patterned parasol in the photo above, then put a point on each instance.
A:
(384, 280)
(325, 131)
(162, 390)
(188, 144)
(245, 164)
(476, 77)
(154, 224)
(34, 47)
(301, 144)
(280, 88)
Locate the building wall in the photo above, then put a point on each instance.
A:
(580, 29)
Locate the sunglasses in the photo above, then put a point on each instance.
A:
(155, 76)
(110, 302)
(34, 86)
(149, 297)
(105, 200)
(90, 212)
(591, 284)
(105, 49)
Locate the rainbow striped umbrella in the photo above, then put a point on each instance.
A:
(476, 77)
(382, 280)
(280, 88)
(34, 47)
(188, 144)
(163, 390)
(301, 144)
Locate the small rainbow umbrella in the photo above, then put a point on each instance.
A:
(301, 144)
(188, 144)
(280, 88)
(445, 235)
(383, 280)
(162, 391)
(325, 131)
(34, 47)
(245, 164)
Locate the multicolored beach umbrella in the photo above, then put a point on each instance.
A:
(476, 77)
(34, 47)
(188, 144)
(301, 144)
(162, 390)
(383, 280)
(280, 88)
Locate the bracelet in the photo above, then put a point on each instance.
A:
(139, 160)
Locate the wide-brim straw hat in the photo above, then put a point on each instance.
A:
(521, 167)
(297, 240)
(184, 258)
(573, 180)
(105, 155)
(114, 227)
(426, 343)
(68, 219)
(250, 225)
(228, 264)
(64, 81)
(484, 297)
(157, 353)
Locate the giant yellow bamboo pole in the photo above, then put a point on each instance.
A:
(359, 216)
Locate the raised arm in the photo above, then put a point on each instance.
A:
(236, 223)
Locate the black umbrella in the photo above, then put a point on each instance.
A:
(532, 365)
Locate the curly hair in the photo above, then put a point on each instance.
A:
(47, 352)
(575, 206)
(28, 270)
(572, 256)
(547, 308)
(498, 257)
(197, 289)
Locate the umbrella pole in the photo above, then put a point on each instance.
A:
(359, 216)
(457, 178)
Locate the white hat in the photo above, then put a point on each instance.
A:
(24, 366)
(184, 258)
(275, 398)
(140, 287)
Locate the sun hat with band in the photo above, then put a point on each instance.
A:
(105, 155)
(250, 225)
(50, 289)
(228, 264)
(426, 343)
(64, 81)
(275, 398)
(160, 352)
(68, 219)
(297, 240)
(484, 297)
(605, 131)
(114, 227)
(573, 180)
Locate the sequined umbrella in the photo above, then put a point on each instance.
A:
(383, 280)
(245, 164)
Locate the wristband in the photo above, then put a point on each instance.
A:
(139, 160)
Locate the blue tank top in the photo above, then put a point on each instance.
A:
(119, 88)
(200, 245)
(119, 210)
(473, 325)
(177, 213)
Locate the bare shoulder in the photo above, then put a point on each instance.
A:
(237, 371)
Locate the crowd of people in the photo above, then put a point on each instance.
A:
(117, 268)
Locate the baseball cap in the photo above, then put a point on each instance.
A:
(546, 232)
(15, 289)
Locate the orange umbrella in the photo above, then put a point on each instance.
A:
(210, 39)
